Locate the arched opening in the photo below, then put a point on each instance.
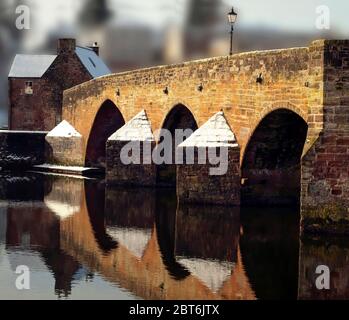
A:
(271, 168)
(108, 120)
(180, 117)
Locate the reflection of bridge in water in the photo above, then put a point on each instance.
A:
(140, 240)
(136, 253)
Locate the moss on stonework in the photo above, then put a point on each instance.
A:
(333, 213)
(326, 242)
(330, 219)
(316, 228)
(324, 226)
(335, 253)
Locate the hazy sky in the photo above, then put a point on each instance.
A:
(294, 15)
(283, 15)
(291, 15)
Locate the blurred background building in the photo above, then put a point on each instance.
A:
(136, 33)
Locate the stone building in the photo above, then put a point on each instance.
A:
(37, 82)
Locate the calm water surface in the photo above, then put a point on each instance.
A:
(83, 240)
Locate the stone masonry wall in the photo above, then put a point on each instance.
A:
(196, 185)
(118, 173)
(43, 109)
(228, 84)
(32, 112)
(20, 150)
(325, 168)
(64, 150)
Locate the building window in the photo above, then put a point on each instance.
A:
(28, 87)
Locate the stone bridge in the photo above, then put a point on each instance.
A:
(283, 114)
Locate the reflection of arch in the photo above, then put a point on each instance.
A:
(108, 120)
(95, 195)
(272, 156)
(165, 230)
(270, 251)
(179, 117)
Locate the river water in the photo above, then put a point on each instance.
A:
(80, 239)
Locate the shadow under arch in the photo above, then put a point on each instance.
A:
(108, 120)
(179, 117)
(271, 166)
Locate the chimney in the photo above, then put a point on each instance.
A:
(66, 46)
(95, 48)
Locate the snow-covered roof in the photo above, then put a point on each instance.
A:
(92, 62)
(35, 66)
(214, 133)
(137, 129)
(64, 129)
(30, 66)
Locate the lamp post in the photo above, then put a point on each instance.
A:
(232, 16)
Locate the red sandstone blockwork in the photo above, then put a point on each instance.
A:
(292, 80)
(312, 82)
(325, 168)
(117, 173)
(196, 185)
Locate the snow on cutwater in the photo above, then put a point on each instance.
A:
(64, 129)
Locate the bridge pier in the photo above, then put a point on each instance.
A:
(325, 185)
(325, 166)
(211, 171)
(129, 154)
(64, 146)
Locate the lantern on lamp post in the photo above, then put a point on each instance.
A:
(232, 16)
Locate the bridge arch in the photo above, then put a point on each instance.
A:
(179, 117)
(265, 112)
(108, 119)
(273, 156)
